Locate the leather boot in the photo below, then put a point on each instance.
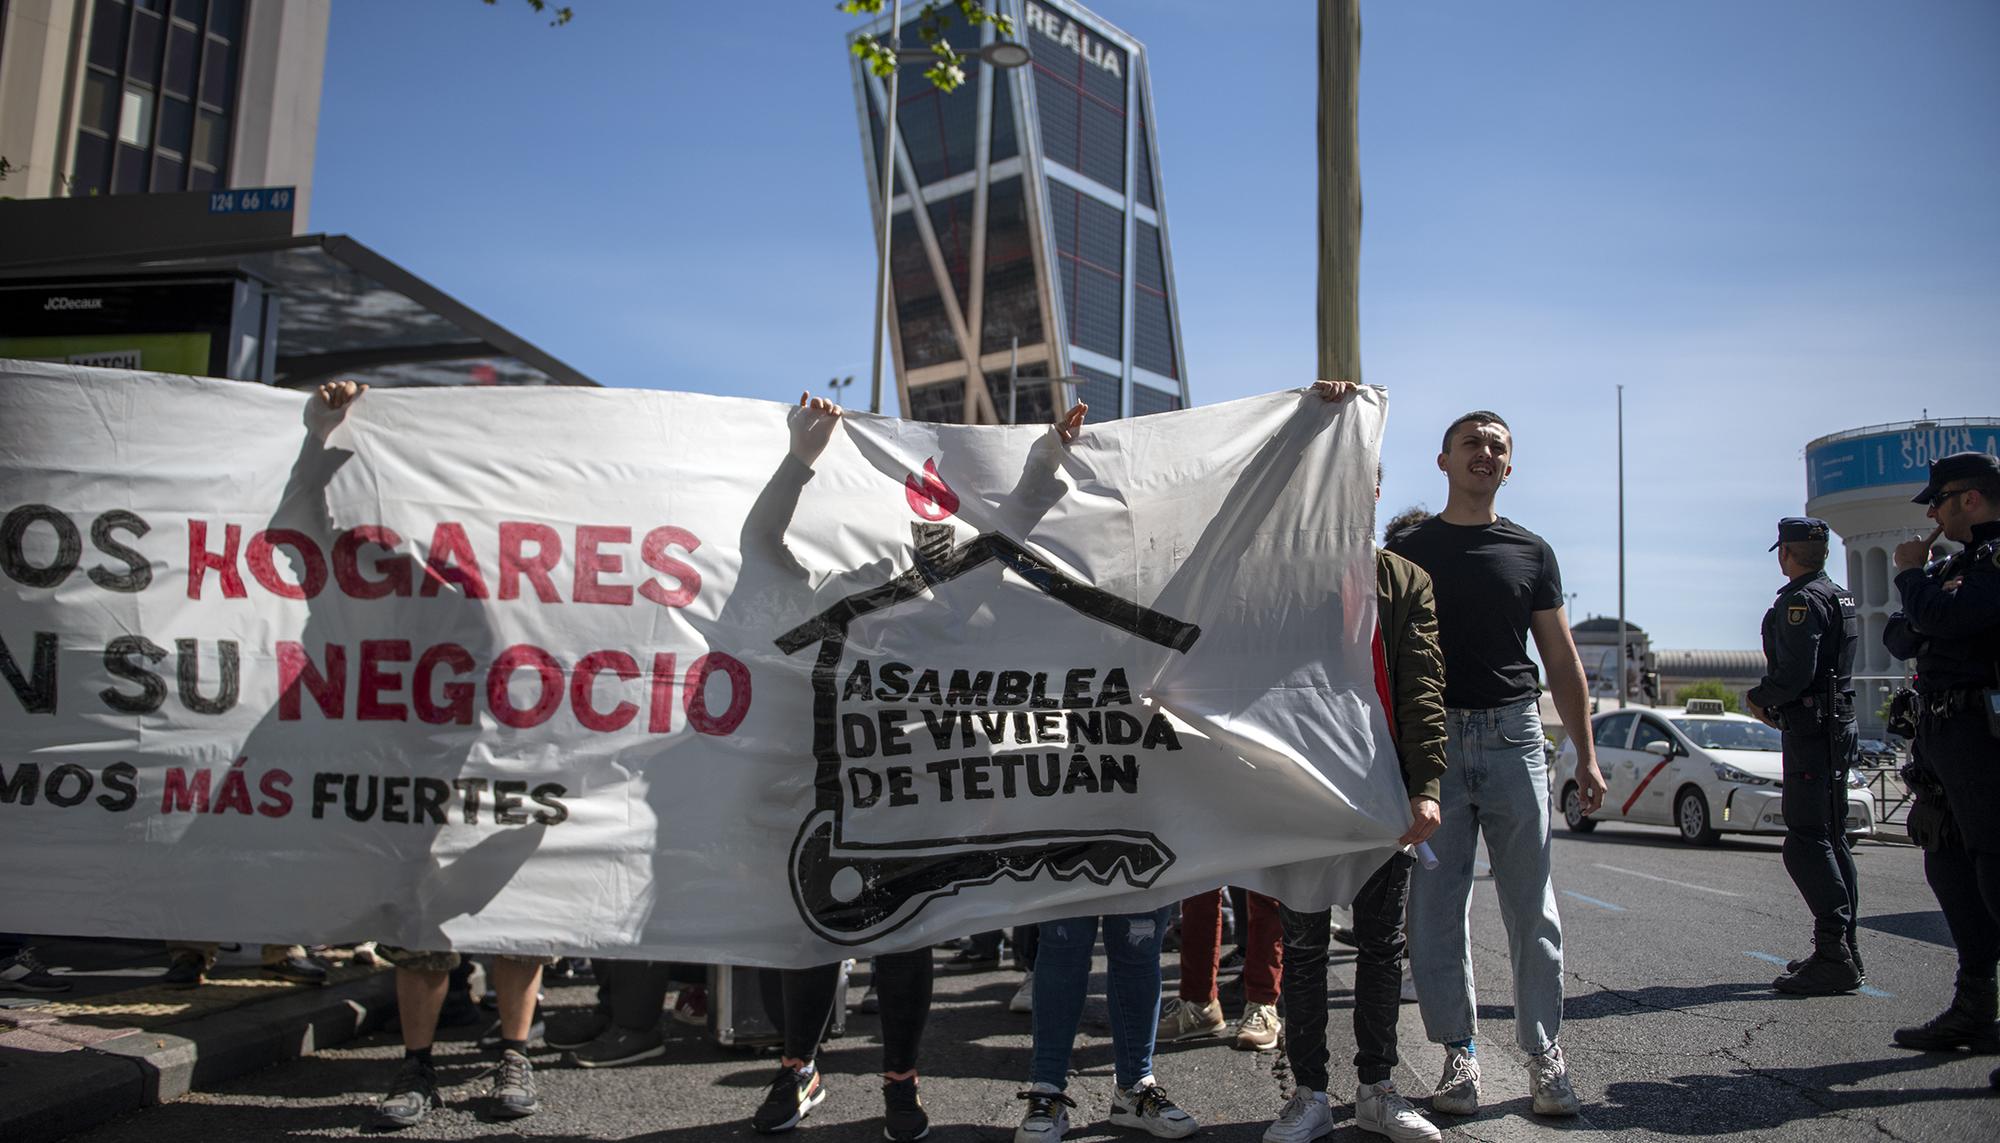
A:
(1853, 954)
(1829, 971)
(1968, 1023)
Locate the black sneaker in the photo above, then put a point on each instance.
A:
(1820, 975)
(188, 970)
(490, 1040)
(297, 970)
(513, 1088)
(903, 1115)
(619, 1046)
(411, 1096)
(971, 960)
(567, 1031)
(793, 1095)
(22, 972)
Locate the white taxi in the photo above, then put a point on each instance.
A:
(1699, 770)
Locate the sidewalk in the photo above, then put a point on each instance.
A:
(119, 1040)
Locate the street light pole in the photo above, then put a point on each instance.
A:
(1624, 677)
(888, 187)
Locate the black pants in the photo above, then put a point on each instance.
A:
(1026, 939)
(1378, 979)
(632, 992)
(1966, 876)
(1816, 853)
(1967, 886)
(902, 985)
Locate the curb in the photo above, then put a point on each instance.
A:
(54, 1094)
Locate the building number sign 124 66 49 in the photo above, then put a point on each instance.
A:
(251, 199)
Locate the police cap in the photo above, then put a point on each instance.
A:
(1957, 466)
(1799, 529)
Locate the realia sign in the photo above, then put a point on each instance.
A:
(1069, 34)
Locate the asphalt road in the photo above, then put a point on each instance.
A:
(1672, 1032)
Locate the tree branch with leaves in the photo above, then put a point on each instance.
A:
(947, 71)
(558, 16)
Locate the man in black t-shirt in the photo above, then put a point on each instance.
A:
(1495, 581)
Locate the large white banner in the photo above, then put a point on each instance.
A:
(674, 676)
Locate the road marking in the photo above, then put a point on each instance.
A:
(1781, 962)
(1669, 881)
(1593, 901)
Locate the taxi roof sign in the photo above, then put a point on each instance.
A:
(1705, 706)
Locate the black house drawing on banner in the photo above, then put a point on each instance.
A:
(850, 891)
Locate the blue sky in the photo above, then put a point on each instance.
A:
(1769, 220)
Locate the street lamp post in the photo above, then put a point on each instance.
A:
(1003, 54)
(1624, 691)
(888, 186)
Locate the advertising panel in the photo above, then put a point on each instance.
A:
(1888, 458)
(165, 325)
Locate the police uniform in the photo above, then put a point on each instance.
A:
(1950, 624)
(1811, 634)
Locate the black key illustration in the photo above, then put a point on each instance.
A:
(850, 892)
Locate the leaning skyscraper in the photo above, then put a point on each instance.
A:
(1041, 246)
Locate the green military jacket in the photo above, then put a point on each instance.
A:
(1415, 666)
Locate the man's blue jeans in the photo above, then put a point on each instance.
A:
(1062, 977)
(1496, 783)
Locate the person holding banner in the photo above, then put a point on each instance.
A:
(1197, 1011)
(1062, 977)
(902, 981)
(903, 988)
(423, 978)
(1495, 582)
(1410, 680)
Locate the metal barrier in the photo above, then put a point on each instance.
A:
(1892, 800)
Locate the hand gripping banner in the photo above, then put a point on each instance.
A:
(661, 675)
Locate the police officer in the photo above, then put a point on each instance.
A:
(1810, 636)
(1950, 624)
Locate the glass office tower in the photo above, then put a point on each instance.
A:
(1041, 250)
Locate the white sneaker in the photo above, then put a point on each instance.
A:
(1548, 1079)
(1409, 993)
(1306, 1117)
(1047, 1119)
(1184, 1020)
(1458, 1090)
(1259, 1028)
(1024, 996)
(1379, 1108)
(1146, 1108)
